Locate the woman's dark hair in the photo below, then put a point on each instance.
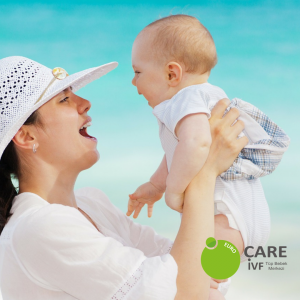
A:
(10, 168)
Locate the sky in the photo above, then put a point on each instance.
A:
(258, 46)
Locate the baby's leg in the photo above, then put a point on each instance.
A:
(224, 232)
(215, 295)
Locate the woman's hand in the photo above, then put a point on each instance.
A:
(225, 145)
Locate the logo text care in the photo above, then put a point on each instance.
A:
(272, 251)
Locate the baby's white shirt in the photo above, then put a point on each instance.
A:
(193, 99)
(242, 201)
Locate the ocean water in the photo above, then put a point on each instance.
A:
(258, 45)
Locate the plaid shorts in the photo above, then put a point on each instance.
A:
(267, 143)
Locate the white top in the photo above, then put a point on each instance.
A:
(51, 251)
(193, 99)
(242, 201)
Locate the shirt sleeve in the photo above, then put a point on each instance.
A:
(185, 102)
(59, 249)
(142, 237)
(139, 236)
(147, 240)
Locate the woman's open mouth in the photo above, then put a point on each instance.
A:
(84, 133)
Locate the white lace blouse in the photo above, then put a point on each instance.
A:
(51, 251)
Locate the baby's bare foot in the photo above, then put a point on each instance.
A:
(215, 295)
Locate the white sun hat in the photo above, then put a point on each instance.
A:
(25, 85)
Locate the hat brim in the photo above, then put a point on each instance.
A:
(77, 81)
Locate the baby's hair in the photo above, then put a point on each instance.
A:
(184, 39)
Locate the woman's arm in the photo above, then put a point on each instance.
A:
(198, 211)
(196, 226)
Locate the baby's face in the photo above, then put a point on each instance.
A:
(150, 78)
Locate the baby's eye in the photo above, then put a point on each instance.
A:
(63, 100)
(137, 72)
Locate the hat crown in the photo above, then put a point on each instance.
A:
(22, 80)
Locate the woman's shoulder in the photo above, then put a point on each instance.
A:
(34, 218)
(30, 208)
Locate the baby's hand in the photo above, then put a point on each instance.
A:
(147, 193)
(174, 201)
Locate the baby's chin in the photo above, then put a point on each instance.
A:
(154, 102)
(149, 103)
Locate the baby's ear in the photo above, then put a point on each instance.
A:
(174, 73)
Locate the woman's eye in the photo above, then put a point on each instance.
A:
(63, 100)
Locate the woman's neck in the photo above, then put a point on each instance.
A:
(52, 185)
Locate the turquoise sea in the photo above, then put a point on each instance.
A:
(258, 44)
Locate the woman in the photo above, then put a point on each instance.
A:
(58, 243)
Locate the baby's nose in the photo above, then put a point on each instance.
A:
(133, 81)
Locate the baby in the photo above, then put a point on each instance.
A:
(172, 59)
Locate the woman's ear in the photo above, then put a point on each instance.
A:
(174, 73)
(24, 138)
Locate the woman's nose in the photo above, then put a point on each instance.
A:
(83, 105)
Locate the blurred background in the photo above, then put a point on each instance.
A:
(258, 45)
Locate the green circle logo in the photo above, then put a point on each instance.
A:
(222, 261)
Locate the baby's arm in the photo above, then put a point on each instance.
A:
(149, 192)
(191, 152)
(158, 179)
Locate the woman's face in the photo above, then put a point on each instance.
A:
(61, 143)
